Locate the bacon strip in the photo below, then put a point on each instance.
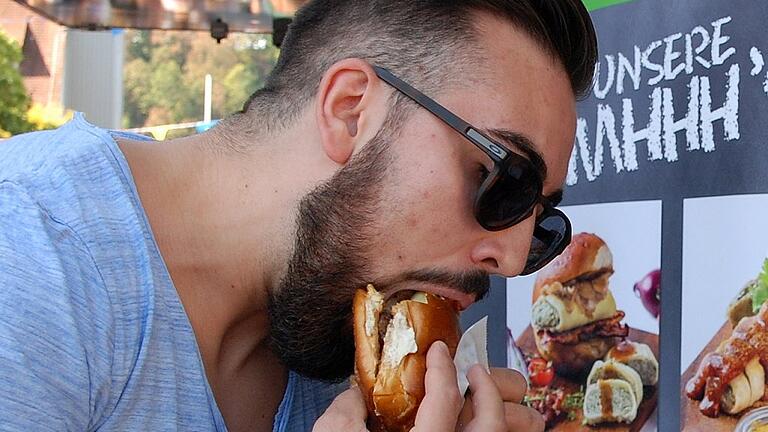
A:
(609, 327)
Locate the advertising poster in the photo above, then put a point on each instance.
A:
(633, 282)
(670, 171)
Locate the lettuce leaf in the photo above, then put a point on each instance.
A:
(760, 292)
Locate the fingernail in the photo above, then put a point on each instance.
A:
(441, 347)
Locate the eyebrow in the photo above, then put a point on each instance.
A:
(525, 145)
(555, 198)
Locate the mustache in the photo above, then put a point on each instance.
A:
(475, 282)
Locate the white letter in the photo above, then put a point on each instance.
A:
(670, 55)
(606, 128)
(600, 94)
(702, 46)
(645, 60)
(651, 133)
(717, 41)
(757, 61)
(689, 123)
(765, 84)
(573, 177)
(592, 167)
(688, 54)
(729, 112)
(629, 69)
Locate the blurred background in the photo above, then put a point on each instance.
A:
(165, 68)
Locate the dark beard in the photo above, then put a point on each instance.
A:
(310, 311)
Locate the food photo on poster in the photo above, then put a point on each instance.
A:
(668, 169)
(725, 288)
(589, 339)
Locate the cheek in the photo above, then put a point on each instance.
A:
(428, 219)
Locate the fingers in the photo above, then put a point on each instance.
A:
(487, 405)
(346, 413)
(522, 418)
(442, 402)
(511, 384)
(497, 407)
(518, 417)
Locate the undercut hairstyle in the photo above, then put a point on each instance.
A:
(432, 44)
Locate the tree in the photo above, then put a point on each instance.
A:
(165, 72)
(14, 101)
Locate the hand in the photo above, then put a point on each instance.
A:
(346, 413)
(498, 395)
(437, 412)
(493, 407)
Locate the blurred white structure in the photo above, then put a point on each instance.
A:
(93, 75)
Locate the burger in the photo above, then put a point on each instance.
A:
(574, 314)
(392, 338)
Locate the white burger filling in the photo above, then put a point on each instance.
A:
(373, 303)
(399, 341)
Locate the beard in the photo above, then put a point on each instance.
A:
(311, 309)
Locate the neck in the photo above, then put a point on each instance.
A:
(213, 215)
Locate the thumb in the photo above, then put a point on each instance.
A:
(442, 402)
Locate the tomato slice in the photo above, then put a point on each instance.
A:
(540, 372)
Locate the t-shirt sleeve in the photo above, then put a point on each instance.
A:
(55, 338)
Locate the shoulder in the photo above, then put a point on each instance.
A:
(79, 184)
(29, 231)
(55, 317)
(44, 265)
(26, 154)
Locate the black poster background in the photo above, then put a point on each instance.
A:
(735, 166)
(737, 163)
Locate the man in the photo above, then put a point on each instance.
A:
(205, 283)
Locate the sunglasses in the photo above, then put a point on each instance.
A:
(510, 192)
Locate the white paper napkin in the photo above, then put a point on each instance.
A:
(472, 349)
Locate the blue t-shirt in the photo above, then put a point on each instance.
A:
(93, 335)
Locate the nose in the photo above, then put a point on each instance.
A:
(504, 252)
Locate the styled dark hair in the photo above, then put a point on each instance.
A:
(432, 44)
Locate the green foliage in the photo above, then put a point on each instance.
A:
(41, 117)
(165, 72)
(139, 46)
(760, 292)
(14, 101)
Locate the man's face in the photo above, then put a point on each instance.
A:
(399, 215)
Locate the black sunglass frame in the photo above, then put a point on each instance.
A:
(502, 158)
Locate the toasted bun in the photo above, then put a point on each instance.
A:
(393, 392)
(367, 349)
(574, 359)
(587, 253)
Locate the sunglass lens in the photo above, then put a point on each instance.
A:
(510, 198)
(550, 237)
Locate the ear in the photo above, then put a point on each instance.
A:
(346, 114)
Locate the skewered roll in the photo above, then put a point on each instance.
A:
(744, 390)
(611, 400)
(613, 370)
(553, 313)
(639, 357)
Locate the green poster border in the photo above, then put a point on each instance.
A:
(599, 4)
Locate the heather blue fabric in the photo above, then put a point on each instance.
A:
(93, 335)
